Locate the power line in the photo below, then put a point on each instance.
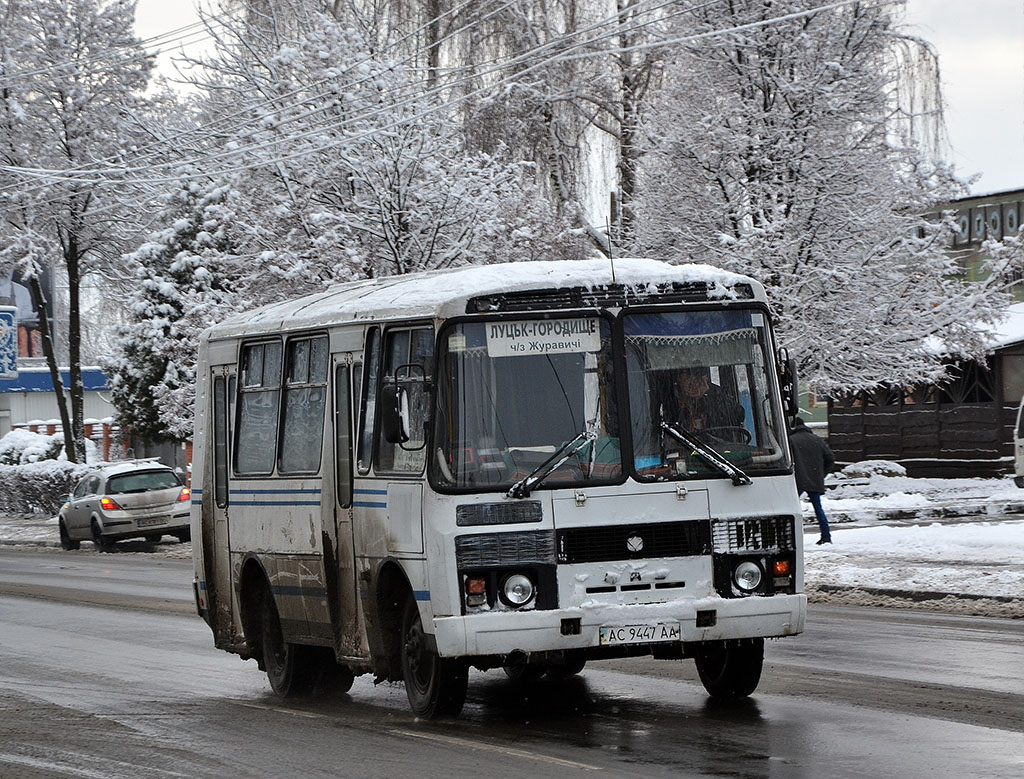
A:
(495, 67)
(100, 176)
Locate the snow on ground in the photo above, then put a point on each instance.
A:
(950, 544)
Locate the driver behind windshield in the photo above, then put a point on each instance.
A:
(703, 405)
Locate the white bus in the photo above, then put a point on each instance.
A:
(522, 466)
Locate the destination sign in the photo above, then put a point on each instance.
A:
(543, 336)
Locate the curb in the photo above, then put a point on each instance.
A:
(948, 511)
(918, 596)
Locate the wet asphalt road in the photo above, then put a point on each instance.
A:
(106, 672)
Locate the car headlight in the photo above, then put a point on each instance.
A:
(747, 576)
(517, 590)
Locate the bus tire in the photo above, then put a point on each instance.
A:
(436, 686)
(573, 663)
(292, 669)
(335, 678)
(730, 670)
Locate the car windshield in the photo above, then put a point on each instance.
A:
(142, 481)
(701, 377)
(516, 395)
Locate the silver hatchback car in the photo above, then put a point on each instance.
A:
(134, 499)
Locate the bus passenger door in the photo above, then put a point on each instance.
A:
(339, 552)
(216, 536)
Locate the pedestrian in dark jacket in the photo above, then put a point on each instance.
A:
(812, 460)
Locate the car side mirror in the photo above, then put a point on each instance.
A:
(788, 385)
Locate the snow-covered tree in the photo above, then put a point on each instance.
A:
(71, 76)
(774, 152)
(187, 278)
(349, 170)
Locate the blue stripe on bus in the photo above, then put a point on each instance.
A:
(370, 492)
(369, 504)
(242, 495)
(315, 491)
(277, 503)
(421, 594)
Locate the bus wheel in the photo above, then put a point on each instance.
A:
(65, 540)
(291, 668)
(730, 670)
(336, 679)
(573, 664)
(436, 686)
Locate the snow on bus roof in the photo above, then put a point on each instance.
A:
(444, 292)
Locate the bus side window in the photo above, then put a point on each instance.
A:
(368, 401)
(258, 403)
(220, 441)
(342, 436)
(408, 355)
(305, 399)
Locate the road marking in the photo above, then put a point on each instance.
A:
(279, 709)
(465, 742)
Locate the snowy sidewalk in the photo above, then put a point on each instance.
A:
(953, 545)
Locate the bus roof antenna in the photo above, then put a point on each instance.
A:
(611, 247)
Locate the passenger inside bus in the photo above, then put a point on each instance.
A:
(704, 405)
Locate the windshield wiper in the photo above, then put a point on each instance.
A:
(708, 454)
(521, 489)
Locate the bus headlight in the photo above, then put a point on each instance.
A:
(517, 590)
(747, 576)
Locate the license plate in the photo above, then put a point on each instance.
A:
(151, 521)
(640, 634)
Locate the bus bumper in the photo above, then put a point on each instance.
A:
(707, 619)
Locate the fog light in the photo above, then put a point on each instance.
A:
(517, 590)
(747, 576)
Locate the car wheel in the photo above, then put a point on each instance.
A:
(435, 686)
(154, 538)
(184, 536)
(730, 670)
(292, 669)
(65, 540)
(102, 544)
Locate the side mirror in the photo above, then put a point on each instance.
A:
(788, 384)
(394, 418)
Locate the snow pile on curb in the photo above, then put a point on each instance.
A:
(975, 568)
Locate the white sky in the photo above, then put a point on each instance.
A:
(981, 54)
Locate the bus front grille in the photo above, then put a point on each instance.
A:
(753, 534)
(488, 550)
(634, 542)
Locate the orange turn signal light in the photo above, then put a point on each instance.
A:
(476, 585)
(780, 567)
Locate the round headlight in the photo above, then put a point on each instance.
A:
(747, 576)
(517, 590)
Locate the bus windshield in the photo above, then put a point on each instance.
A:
(514, 394)
(701, 378)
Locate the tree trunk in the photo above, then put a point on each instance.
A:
(42, 306)
(75, 350)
